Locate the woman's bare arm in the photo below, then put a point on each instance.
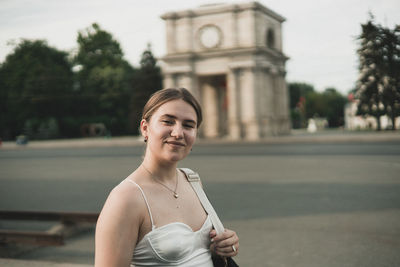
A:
(117, 228)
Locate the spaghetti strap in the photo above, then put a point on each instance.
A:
(147, 203)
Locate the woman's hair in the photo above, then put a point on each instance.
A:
(165, 95)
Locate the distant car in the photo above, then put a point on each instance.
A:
(22, 140)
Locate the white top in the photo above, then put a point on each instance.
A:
(174, 244)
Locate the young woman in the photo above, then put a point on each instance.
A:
(153, 217)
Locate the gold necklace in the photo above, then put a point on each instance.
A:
(157, 181)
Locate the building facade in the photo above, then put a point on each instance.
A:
(230, 57)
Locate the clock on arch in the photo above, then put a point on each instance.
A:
(210, 36)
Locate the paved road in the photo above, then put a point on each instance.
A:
(293, 204)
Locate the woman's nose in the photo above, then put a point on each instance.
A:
(177, 131)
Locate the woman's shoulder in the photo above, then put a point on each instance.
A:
(126, 194)
(124, 197)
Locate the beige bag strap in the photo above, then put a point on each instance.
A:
(194, 179)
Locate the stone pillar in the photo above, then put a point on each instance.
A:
(210, 110)
(169, 80)
(248, 96)
(268, 103)
(261, 103)
(194, 88)
(233, 89)
(184, 80)
(279, 98)
(281, 121)
(189, 81)
(263, 99)
(284, 103)
(274, 101)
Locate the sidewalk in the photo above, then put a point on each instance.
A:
(297, 136)
(20, 263)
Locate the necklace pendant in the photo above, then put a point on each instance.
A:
(176, 195)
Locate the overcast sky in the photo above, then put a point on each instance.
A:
(319, 36)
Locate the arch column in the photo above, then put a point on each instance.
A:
(169, 80)
(210, 110)
(281, 121)
(182, 76)
(233, 90)
(249, 113)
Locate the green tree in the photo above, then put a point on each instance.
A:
(328, 104)
(335, 103)
(298, 93)
(391, 72)
(104, 81)
(369, 91)
(36, 82)
(378, 88)
(298, 90)
(306, 103)
(147, 81)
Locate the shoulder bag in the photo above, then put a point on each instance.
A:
(194, 180)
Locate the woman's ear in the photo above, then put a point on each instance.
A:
(144, 127)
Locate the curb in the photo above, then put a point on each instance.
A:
(297, 137)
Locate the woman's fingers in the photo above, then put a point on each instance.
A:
(225, 235)
(227, 251)
(228, 248)
(226, 244)
(213, 234)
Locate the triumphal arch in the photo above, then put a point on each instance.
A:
(230, 57)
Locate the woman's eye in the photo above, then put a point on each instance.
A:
(188, 126)
(167, 122)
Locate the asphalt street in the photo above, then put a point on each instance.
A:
(294, 204)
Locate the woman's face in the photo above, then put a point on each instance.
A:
(171, 131)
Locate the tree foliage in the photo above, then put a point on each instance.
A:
(298, 90)
(298, 93)
(328, 104)
(391, 70)
(104, 81)
(147, 81)
(306, 103)
(42, 97)
(378, 86)
(36, 81)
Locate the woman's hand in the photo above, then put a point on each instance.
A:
(225, 244)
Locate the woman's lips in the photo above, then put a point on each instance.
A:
(175, 143)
